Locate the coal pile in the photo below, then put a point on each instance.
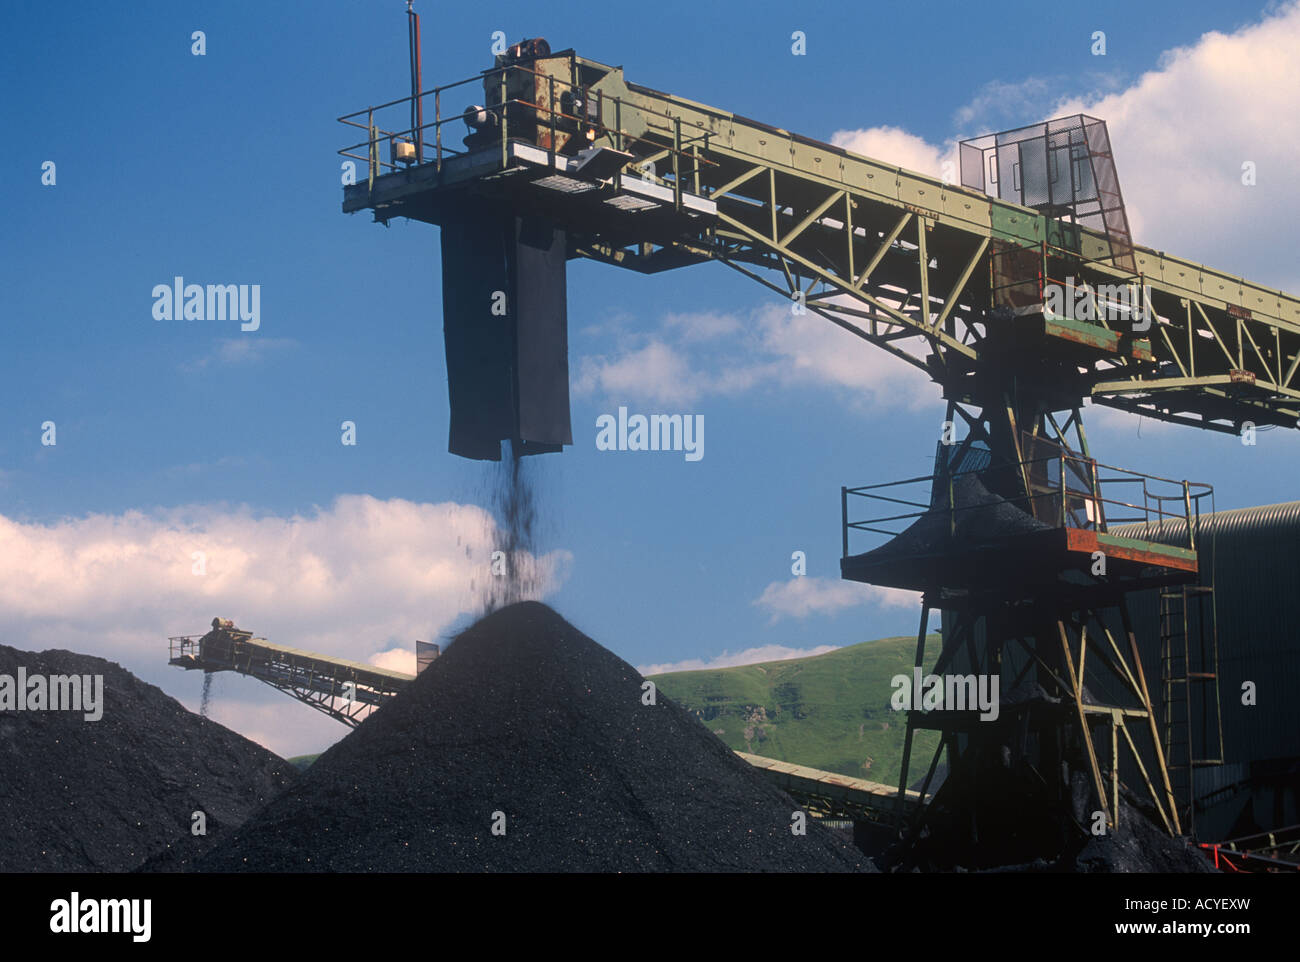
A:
(1136, 845)
(104, 796)
(526, 726)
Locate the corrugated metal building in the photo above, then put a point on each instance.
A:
(1251, 557)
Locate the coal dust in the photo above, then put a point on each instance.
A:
(511, 490)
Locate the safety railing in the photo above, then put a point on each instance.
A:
(1062, 491)
(183, 646)
(683, 153)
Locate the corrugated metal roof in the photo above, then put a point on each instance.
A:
(1267, 518)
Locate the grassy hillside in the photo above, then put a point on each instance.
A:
(830, 711)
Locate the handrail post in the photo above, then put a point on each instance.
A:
(437, 123)
(1098, 501)
(1063, 512)
(418, 133)
(677, 163)
(374, 148)
(550, 109)
(1187, 506)
(952, 504)
(1042, 270)
(844, 518)
(505, 129)
(618, 139)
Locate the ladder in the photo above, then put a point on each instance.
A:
(1189, 681)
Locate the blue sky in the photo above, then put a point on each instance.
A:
(222, 169)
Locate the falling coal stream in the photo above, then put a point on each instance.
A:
(207, 693)
(514, 575)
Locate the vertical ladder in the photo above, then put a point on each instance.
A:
(1189, 679)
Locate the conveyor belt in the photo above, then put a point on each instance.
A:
(829, 794)
(339, 687)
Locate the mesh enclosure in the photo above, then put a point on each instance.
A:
(1109, 198)
(972, 166)
(1063, 168)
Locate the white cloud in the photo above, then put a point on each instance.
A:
(1180, 135)
(809, 349)
(1182, 132)
(705, 326)
(1003, 104)
(656, 372)
(357, 579)
(801, 597)
(242, 350)
(896, 146)
(777, 347)
(749, 656)
(265, 716)
(396, 659)
(1006, 105)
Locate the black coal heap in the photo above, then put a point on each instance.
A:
(527, 717)
(106, 795)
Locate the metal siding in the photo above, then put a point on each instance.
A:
(1253, 558)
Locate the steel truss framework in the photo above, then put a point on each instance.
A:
(1044, 634)
(898, 258)
(343, 690)
(1053, 645)
(905, 264)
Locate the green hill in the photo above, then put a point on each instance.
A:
(829, 711)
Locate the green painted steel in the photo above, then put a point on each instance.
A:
(848, 232)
